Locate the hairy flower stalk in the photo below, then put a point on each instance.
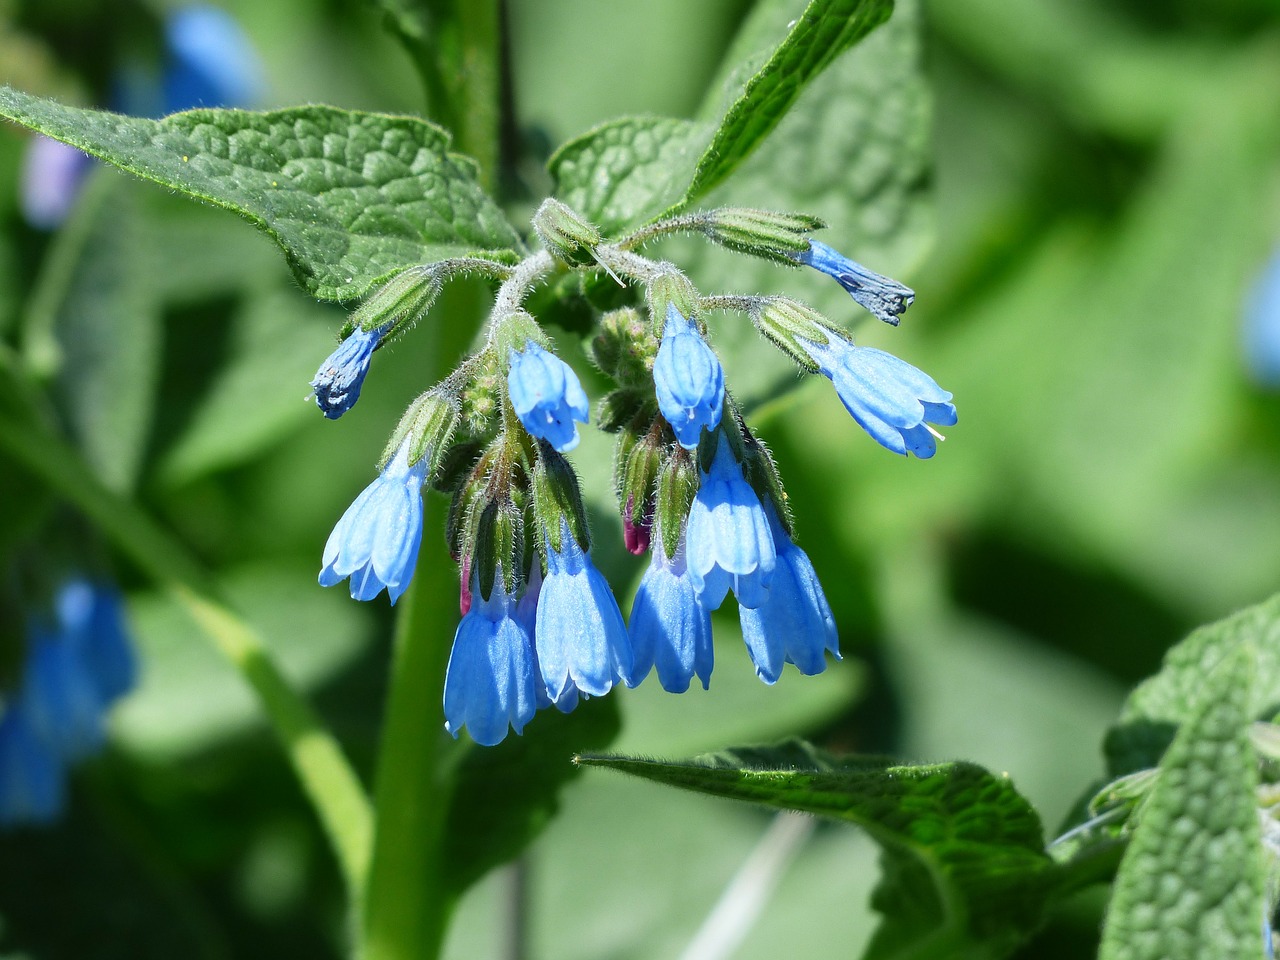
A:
(697, 491)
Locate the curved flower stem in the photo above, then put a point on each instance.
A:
(327, 778)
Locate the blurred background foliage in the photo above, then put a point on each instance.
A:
(1106, 188)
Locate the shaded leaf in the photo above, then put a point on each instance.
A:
(350, 197)
(1160, 704)
(1190, 886)
(965, 869)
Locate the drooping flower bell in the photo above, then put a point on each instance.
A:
(886, 299)
(728, 542)
(32, 774)
(492, 679)
(546, 396)
(670, 627)
(794, 624)
(890, 399)
(376, 542)
(688, 380)
(580, 635)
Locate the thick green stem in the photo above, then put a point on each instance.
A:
(326, 776)
(406, 906)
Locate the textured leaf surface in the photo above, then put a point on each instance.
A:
(965, 869)
(350, 197)
(1160, 704)
(1190, 886)
(651, 165)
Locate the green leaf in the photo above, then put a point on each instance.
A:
(1190, 886)
(505, 795)
(634, 168)
(965, 869)
(1160, 704)
(94, 326)
(350, 197)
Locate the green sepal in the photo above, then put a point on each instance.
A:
(676, 487)
(762, 473)
(759, 233)
(784, 322)
(400, 301)
(671, 288)
(514, 333)
(458, 461)
(430, 421)
(499, 546)
(557, 499)
(567, 236)
(465, 507)
(637, 481)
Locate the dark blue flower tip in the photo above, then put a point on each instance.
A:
(32, 775)
(688, 380)
(376, 542)
(794, 624)
(890, 399)
(728, 542)
(579, 634)
(338, 381)
(546, 396)
(91, 617)
(886, 299)
(670, 628)
(491, 684)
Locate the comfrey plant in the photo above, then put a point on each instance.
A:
(697, 489)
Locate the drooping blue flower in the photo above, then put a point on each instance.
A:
(60, 697)
(91, 617)
(376, 541)
(211, 62)
(580, 637)
(728, 543)
(546, 396)
(32, 775)
(688, 380)
(491, 683)
(1260, 335)
(338, 381)
(794, 624)
(890, 399)
(670, 628)
(885, 298)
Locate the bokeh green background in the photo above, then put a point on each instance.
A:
(1106, 186)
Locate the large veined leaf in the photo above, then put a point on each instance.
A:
(350, 197)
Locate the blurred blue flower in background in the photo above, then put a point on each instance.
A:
(77, 664)
(208, 62)
(1260, 334)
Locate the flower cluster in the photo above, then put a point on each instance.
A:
(697, 489)
(77, 664)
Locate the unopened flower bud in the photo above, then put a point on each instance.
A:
(557, 499)
(636, 484)
(625, 348)
(498, 549)
(676, 487)
(761, 233)
(565, 234)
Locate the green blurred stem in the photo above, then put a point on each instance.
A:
(455, 46)
(326, 776)
(406, 906)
